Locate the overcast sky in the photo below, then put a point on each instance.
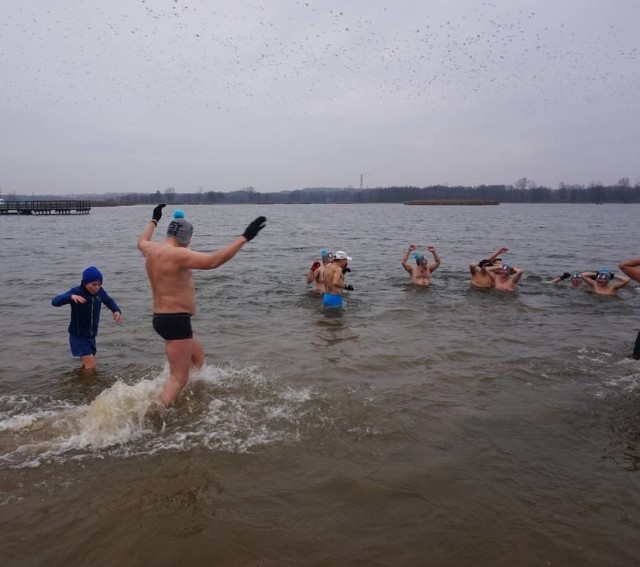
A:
(142, 95)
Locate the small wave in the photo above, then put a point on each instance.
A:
(226, 409)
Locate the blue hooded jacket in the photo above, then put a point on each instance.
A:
(85, 317)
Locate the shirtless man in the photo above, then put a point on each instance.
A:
(334, 280)
(631, 267)
(169, 264)
(479, 277)
(316, 271)
(602, 282)
(421, 272)
(505, 278)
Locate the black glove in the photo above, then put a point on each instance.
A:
(254, 228)
(565, 276)
(348, 287)
(346, 270)
(157, 212)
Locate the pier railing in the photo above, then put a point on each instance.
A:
(65, 207)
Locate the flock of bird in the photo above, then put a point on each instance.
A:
(228, 56)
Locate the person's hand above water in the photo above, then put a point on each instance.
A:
(254, 228)
(157, 212)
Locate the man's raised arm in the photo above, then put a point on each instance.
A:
(631, 267)
(145, 237)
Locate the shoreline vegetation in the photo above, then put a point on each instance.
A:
(522, 191)
(452, 202)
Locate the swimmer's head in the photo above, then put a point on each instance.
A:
(420, 259)
(326, 256)
(604, 275)
(180, 228)
(505, 269)
(341, 255)
(575, 278)
(90, 275)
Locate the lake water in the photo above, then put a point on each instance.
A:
(446, 426)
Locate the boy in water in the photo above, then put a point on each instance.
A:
(86, 301)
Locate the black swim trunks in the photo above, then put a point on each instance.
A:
(173, 326)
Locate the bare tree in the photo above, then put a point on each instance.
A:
(170, 194)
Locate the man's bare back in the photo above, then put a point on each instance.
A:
(171, 283)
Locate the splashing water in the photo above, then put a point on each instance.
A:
(224, 409)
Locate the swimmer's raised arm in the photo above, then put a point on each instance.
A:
(313, 272)
(497, 253)
(558, 279)
(144, 240)
(588, 278)
(434, 265)
(631, 267)
(405, 258)
(622, 281)
(517, 274)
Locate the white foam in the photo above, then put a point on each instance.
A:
(227, 408)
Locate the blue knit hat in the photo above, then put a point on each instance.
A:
(91, 274)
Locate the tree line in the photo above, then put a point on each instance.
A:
(522, 191)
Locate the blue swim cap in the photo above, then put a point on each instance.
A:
(418, 257)
(326, 255)
(178, 214)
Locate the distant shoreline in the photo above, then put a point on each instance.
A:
(452, 202)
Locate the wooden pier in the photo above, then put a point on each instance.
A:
(66, 207)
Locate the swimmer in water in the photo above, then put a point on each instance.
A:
(603, 282)
(316, 271)
(631, 267)
(505, 277)
(334, 280)
(574, 279)
(479, 277)
(421, 272)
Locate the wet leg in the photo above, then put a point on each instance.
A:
(179, 355)
(89, 362)
(197, 354)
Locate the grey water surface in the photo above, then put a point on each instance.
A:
(446, 426)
